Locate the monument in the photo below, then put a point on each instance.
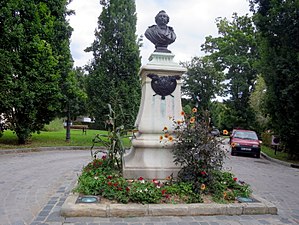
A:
(149, 157)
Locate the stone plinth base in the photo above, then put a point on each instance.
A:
(149, 159)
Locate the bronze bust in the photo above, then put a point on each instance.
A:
(161, 35)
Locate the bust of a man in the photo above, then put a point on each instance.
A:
(161, 35)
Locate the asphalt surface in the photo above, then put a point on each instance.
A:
(34, 185)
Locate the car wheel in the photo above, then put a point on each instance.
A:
(233, 154)
(258, 155)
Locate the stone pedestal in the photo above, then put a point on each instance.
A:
(149, 157)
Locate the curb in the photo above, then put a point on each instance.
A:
(279, 161)
(71, 209)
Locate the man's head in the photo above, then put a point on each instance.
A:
(162, 18)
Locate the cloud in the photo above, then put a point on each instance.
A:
(192, 21)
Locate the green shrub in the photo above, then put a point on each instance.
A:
(55, 125)
(267, 138)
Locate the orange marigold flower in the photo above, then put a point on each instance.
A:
(224, 194)
(165, 128)
(170, 138)
(166, 135)
(182, 113)
(203, 187)
(194, 110)
(161, 138)
(192, 120)
(225, 132)
(179, 122)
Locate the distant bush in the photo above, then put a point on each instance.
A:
(55, 125)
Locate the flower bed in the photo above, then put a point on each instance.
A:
(99, 179)
(197, 152)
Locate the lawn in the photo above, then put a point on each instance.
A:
(52, 138)
(279, 155)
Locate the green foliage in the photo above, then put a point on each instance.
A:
(115, 64)
(54, 125)
(257, 103)
(267, 138)
(99, 178)
(9, 140)
(225, 187)
(277, 24)
(202, 82)
(185, 192)
(220, 115)
(235, 53)
(144, 192)
(34, 46)
(195, 149)
(113, 141)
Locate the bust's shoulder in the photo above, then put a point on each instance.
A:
(152, 26)
(170, 28)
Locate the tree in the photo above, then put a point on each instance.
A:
(202, 82)
(113, 73)
(234, 52)
(33, 39)
(277, 24)
(75, 98)
(257, 103)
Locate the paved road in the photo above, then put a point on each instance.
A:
(34, 186)
(29, 180)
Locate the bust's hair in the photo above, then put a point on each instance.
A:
(157, 16)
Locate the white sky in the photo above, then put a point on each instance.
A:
(192, 21)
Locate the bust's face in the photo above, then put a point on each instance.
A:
(162, 18)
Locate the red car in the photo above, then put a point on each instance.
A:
(245, 141)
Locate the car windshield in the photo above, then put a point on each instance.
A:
(246, 135)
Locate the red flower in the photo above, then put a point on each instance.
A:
(156, 182)
(163, 192)
(119, 188)
(109, 177)
(115, 184)
(235, 179)
(167, 196)
(127, 189)
(203, 173)
(140, 178)
(109, 183)
(104, 157)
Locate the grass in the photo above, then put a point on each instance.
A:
(279, 155)
(52, 138)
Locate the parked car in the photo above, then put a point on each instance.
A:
(245, 141)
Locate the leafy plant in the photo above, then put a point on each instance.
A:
(195, 149)
(145, 192)
(113, 141)
(225, 187)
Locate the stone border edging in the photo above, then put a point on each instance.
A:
(71, 209)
